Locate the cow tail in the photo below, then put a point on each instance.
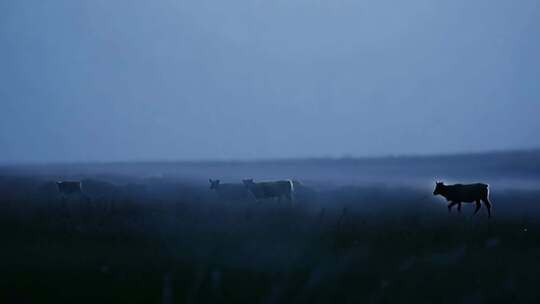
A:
(292, 190)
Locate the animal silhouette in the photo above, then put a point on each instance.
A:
(468, 193)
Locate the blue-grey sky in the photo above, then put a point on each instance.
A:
(114, 80)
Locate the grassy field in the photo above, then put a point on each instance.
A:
(160, 240)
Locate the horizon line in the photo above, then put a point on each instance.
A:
(276, 159)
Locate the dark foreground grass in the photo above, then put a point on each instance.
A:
(353, 245)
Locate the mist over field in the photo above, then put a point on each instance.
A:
(130, 131)
(513, 169)
(358, 230)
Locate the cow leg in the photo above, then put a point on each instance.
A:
(459, 207)
(488, 205)
(450, 206)
(477, 207)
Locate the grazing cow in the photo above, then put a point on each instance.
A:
(229, 191)
(458, 193)
(276, 189)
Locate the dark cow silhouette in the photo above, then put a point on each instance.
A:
(71, 189)
(458, 193)
(275, 189)
(229, 191)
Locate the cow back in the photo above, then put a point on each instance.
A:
(467, 192)
(271, 189)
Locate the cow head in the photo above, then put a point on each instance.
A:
(248, 182)
(214, 184)
(439, 186)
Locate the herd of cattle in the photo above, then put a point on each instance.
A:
(454, 194)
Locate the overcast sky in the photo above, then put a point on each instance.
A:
(245, 79)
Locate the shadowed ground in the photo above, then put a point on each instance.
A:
(162, 240)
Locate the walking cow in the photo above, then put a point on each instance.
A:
(276, 189)
(71, 189)
(458, 193)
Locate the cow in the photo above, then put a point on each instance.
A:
(275, 189)
(459, 193)
(229, 191)
(71, 189)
